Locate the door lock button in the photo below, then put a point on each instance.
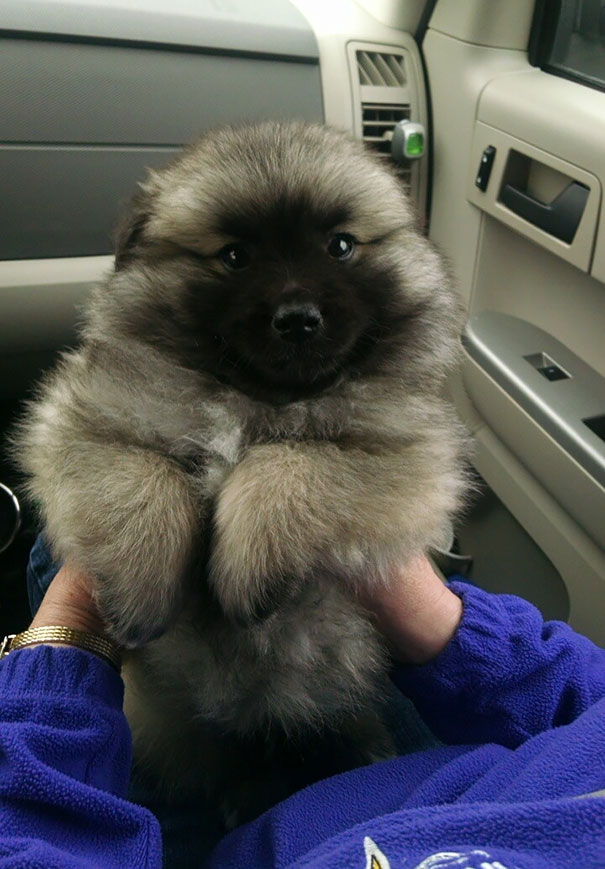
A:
(485, 168)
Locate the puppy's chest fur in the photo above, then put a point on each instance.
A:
(227, 428)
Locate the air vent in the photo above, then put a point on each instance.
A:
(385, 91)
(380, 70)
(378, 121)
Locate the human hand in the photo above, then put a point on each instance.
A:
(416, 612)
(69, 602)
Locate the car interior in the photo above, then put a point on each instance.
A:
(502, 108)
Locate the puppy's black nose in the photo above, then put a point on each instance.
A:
(295, 322)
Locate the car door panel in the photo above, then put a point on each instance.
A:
(531, 295)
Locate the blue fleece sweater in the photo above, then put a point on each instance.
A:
(520, 704)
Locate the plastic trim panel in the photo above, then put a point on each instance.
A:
(500, 344)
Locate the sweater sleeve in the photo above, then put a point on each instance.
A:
(506, 675)
(65, 755)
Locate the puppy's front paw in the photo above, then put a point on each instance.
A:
(247, 588)
(250, 599)
(253, 564)
(134, 617)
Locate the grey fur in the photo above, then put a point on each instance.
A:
(136, 456)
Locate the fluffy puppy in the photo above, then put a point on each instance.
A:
(249, 435)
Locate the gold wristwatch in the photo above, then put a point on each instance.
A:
(66, 637)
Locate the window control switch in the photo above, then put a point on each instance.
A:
(553, 372)
(546, 366)
(485, 168)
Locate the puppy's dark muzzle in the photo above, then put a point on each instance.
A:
(297, 323)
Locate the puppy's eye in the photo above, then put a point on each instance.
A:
(341, 246)
(234, 257)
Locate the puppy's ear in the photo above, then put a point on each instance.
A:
(130, 231)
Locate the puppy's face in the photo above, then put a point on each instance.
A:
(270, 257)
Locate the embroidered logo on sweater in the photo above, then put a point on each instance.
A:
(458, 860)
(375, 859)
